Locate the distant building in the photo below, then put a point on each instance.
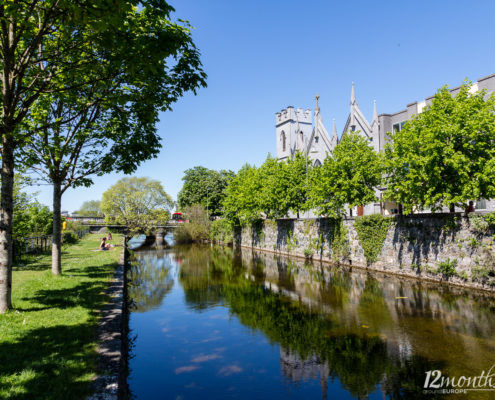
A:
(298, 130)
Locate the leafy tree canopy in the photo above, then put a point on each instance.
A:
(444, 156)
(90, 208)
(242, 196)
(348, 176)
(205, 187)
(138, 203)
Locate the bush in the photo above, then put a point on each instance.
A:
(182, 235)
(447, 267)
(69, 237)
(221, 231)
(479, 223)
(197, 228)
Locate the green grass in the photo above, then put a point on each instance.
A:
(48, 341)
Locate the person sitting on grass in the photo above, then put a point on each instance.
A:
(109, 236)
(104, 245)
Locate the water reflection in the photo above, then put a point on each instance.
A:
(372, 334)
(149, 280)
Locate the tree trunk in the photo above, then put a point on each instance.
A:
(452, 208)
(6, 211)
(57, 225)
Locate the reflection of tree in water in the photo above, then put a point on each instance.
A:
(149, 282)
(312, 343)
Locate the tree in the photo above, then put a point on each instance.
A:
(30, 217)
(242, 203)
(292, 185)
(138, 203)
(44, 46)
(348, 176)
(108, 122)
(90, 208)
(204, 186)
(444, 156)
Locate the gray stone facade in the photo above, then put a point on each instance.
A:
(315, 141)
(415, 246)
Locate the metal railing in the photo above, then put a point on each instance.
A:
(36, 244)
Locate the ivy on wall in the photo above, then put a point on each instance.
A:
(338, 238)
(372, 231)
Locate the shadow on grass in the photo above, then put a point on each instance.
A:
(89, 294)
(57, 362)
(48, 363)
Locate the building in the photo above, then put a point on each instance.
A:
(298, 130)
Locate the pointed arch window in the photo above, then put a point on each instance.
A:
(317, 163)
(284, 140)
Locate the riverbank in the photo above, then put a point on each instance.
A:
(48, 340)
(448, 248)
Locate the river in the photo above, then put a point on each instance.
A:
(211, 322)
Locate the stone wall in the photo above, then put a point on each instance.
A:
(415, 245)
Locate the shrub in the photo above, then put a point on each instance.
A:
(182, 235)
(308, 253)
(447, 267)
(196, 229)
(69, 237)
(479, 223)
(221, 231)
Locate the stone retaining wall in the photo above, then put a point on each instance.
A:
(415, 245)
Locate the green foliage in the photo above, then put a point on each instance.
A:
(51, 336)
(445, 155)
(447, 267)
(138, 203)
(204, 186)
(69, 237)
(242, 205)
(30, 217)
(482, 223)
(270, 191)
(308, 252)
(90, 208)
(291, 240)
(197, 227)
(348, 176)
(474, 243)
(339, 239)
(287, 185)
(221, 231)
(372, 231)
(451, 224)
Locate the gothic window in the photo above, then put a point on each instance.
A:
(316, 139)
(283, 139)
(317, 163)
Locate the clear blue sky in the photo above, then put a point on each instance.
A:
(261, 56)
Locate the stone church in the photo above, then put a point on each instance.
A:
(302, 130)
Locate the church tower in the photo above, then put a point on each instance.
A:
(293, 130)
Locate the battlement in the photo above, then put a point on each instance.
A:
(291, 114)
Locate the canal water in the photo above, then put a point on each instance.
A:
(210, 322)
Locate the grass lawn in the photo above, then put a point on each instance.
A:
(48, 341)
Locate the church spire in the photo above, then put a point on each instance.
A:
(317, 108)
(375, 114)
(334, 140)
(353, 94)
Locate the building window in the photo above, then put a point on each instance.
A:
(316, 139)
(317, 163)
(398, 127)
(481, 204)
(283, 139)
